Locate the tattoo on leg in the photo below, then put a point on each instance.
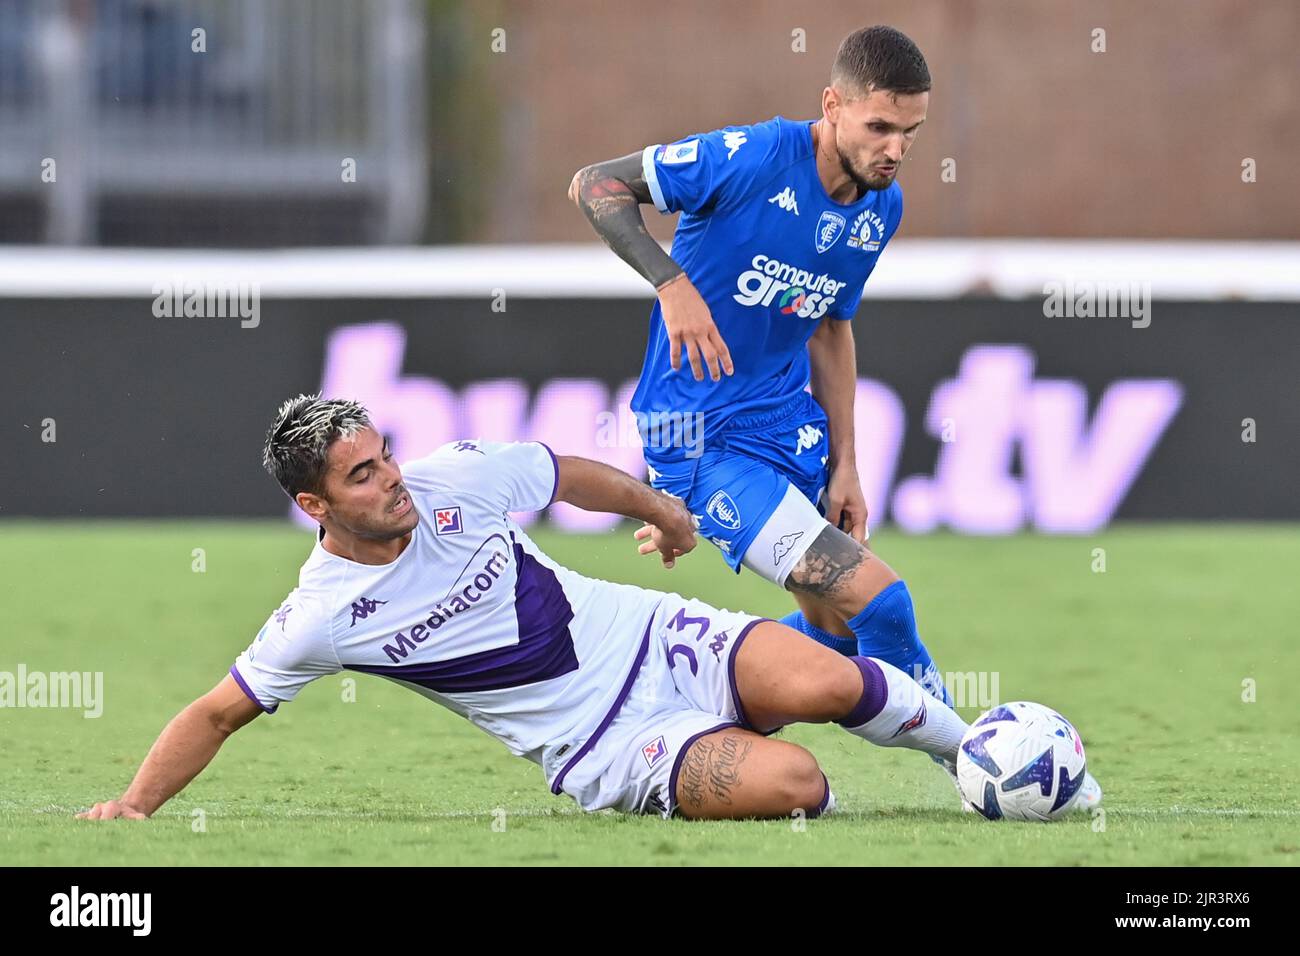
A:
(694, 769)
(826, 567)
(713, 769)
(724, 773)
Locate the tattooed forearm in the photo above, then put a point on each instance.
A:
(827, 566)
(713, 770)
(611, 194)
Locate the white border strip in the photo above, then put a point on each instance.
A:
(909, 269)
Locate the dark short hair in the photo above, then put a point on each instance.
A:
(300, 437)
(879, 58)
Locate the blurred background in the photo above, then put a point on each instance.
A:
(380, 187)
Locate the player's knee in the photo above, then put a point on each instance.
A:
(842, 688)
(803, 787)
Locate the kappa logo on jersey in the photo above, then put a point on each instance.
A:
(723, 510)
(809, 436)
(916, 720)
(363, 608)
(447, 521)
(785, 200)
(679, 153)
(282, 614)
(654, 751)
(469, 445)
(829, 229)
(783, 546)
(867, 232)
(802, 293)
(732, 141)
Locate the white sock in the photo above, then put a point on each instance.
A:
(910, 717)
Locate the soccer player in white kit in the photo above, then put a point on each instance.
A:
(639, 700)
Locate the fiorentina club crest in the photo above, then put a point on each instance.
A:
(654, 751)
(447, 521)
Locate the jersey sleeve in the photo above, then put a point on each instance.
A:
(292, 649)
(520, 476)
(513, 476)
(708, 170)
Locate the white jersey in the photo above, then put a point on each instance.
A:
(471, 615)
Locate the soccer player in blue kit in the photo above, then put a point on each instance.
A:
(782, 223)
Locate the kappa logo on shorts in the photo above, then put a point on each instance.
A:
(447, 521)
(718, 643)
(654, 751)
(724, 511)
(917, 720)
(782, 547)
(809, 436)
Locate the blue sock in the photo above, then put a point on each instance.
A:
(848, 646)
(886, 629)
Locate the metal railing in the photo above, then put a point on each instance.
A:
(160, 105)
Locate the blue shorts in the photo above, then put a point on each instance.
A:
(735, 485)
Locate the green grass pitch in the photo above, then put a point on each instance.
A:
(1152, 659)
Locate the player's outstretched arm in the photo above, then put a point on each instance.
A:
(611, 194)
(186, 745)
(593, 486)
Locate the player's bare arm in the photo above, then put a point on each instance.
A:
(593, 486)
(610, 194)
(832, 355)
(186, 745)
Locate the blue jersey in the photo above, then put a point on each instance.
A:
(770, 252)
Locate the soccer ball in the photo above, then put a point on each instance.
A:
(1021, 761)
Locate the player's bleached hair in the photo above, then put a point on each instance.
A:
(879, 58)
(300, 436)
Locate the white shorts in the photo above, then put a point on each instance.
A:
(683, 689)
